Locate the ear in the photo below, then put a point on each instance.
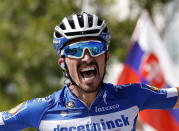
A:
(61, 63)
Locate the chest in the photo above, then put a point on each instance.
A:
(106, 117)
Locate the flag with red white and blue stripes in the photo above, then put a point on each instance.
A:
(148, 62)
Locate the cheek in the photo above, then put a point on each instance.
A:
(101, 64)
(72, 67)
(101, 68)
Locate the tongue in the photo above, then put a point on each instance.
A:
(88, 74)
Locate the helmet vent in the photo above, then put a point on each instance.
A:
(62, 26)
(100, 22)
(81, 21)
(72, 24)
(58, 35)
(90, 19)
(83, 32)
(105, 30)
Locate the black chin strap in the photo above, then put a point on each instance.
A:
(67, 75)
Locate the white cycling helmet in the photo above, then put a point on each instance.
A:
(78, 26)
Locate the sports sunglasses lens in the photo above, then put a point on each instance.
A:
(76, 50)
(96, 50)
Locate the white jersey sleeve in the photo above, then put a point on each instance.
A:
(1, 120)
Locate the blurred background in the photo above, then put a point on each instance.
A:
(28, 61)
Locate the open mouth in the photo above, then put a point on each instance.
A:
(88, 73)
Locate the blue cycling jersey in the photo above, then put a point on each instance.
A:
(114, 109)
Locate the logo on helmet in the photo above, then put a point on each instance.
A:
(56, 41)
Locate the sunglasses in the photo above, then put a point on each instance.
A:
(77, 50)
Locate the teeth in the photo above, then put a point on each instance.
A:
(88, 69)
(91, 78)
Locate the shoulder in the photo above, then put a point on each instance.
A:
(125, 87)
(58, 96)
(131, 90)
(30, 112)
(27, 113)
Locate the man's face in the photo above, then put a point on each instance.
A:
(88, 71)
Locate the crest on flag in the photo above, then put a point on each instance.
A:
(151, 70)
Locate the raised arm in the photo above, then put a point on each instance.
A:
(26, 114)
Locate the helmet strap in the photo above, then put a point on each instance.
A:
(67, 75)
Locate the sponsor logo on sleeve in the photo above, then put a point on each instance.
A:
(153, 88)
(46, 99)
(15, 109)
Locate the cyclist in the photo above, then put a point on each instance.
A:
(86, 103)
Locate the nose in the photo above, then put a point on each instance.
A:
(87, 56)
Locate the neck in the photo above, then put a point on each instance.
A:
(86, 97)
